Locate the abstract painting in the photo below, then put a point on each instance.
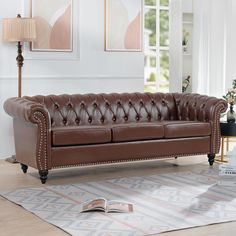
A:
(53, 25)
(123, 25)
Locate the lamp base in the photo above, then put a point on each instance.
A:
(12, 159)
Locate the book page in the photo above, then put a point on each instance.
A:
(116, 206)
(98, 204)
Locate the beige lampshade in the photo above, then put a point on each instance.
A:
(19, 29)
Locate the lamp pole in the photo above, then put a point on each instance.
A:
(20, 63)
(19, 30)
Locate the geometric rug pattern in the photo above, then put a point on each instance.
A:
(162, 202)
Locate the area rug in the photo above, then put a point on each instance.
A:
(163, 202)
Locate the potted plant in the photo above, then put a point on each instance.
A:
(230, 97)
(185, 40)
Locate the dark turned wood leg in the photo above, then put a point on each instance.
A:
(211, 158)
(43, 175)
(24, 168)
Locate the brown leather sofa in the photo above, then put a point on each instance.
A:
(72, 130)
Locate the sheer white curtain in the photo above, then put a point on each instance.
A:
(212, 47)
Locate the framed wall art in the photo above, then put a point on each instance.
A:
(54, 25)
(123, 25)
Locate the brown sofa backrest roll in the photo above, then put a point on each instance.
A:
(198, 107)
(99, 109)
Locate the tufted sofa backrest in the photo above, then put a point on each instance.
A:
(192, 106)
(103, 109)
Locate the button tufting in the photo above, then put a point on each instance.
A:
(90, 119)
(114, 118)
(77, 120)
(56, 106)
(64, 121)
(130, 103)
(153, 103)
(149, 116)
(141, 103)
(137, 117)
(125, 118)
(102, 119)
(69, 105)
(119, 103)
(107, 104)
(95, 105)
(82, 105)
(159, 116)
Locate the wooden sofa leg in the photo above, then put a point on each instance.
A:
(24, 167)
(43, 175)
(211, 158)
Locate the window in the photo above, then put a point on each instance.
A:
(156, 45)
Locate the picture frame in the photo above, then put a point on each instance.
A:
(55, 55)
(54, 25)
(123, 25)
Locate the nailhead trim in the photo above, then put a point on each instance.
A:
(129, 160)
(42, 147)
(216, 128)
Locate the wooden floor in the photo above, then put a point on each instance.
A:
(14, 220)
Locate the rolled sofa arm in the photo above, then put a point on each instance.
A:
(202, 108)
(23, 109)
(29, 111)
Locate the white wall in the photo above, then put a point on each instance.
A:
(95, 71)
(175, 46)
(187, 6)
(177, 8)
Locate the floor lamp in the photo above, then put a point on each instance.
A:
(18, 30)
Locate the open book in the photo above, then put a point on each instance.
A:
(101, 204)
(227, 175)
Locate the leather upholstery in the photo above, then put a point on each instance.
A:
(128, 151)
(28, 141)
(202, 108)
(134, 132)
(186, 129)
(74, 135)
(55, 112)
(28, 111)
(102, 109)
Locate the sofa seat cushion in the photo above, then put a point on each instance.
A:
(78, 135)
(184, 129)
(135, 132)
